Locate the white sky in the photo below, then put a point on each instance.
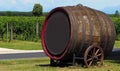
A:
(27, 5)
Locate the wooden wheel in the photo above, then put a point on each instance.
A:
(93, 56)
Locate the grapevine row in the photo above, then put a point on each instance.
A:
(24, 28)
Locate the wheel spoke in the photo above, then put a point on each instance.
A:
(89, 59)
(99, 54)
(93, 56)
(97, 51)
(90, 63)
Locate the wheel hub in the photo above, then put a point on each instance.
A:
(95, 58)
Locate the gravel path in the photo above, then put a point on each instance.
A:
(15, 54)
(12, 51)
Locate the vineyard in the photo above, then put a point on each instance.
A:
(29, 28)
(20, 28)
(116, 21)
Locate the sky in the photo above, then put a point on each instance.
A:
(48, 5)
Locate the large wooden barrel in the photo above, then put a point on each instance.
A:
(72, 29)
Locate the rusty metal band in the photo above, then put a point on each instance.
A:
(107, 34)
(91, 25)
(111, 40)
(83, 31)
(75, 29)
(100, 24)
(113, 28)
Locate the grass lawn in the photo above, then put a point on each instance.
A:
(42, 64)
(22, 45)
(117, 44)
(28, 45)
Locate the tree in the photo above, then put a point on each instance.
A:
(8, 13)
(37, 10)
(117, 13)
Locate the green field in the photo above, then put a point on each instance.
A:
(42, 64)
(28, 45)
(21, 45)
(117, 44)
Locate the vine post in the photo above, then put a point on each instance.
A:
(11, 32)
(7, 31)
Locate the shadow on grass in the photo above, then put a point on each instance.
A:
(43, 65)
(114, 56)
(59, 65)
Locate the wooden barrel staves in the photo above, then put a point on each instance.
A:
(72, 29)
